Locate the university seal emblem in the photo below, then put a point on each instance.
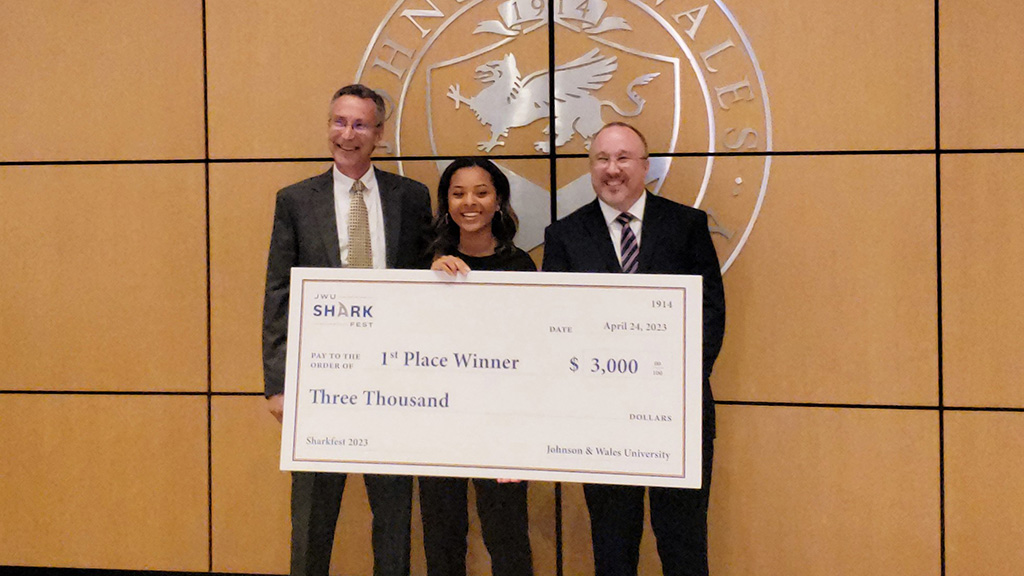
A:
(469, 77)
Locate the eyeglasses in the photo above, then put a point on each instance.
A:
(359, 126)
(603, 161)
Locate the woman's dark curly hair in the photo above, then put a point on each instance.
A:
(503, 226)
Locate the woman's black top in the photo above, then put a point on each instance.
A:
(516, 260)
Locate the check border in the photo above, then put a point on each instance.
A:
(685, 286)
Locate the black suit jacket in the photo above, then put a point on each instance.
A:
(306, 234)
(674, 240)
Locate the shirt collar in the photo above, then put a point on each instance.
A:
(342, 182)
(637, 209)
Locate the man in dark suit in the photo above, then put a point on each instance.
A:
(351, 216)
(627, 229)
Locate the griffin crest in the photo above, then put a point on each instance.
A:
(511, 101)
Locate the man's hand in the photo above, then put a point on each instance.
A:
(276, 406)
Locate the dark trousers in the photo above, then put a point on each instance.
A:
(679, 518)
(503, 521)
(316, 502)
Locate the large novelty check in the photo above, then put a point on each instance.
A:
(535, 376)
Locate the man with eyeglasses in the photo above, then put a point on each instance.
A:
(628, 230)
(353, 215)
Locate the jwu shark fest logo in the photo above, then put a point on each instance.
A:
(474, 77)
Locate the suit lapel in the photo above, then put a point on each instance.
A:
(650, 235)
(597, 229)
(326, 218)
(391, 205)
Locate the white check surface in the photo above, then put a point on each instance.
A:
(536, 376)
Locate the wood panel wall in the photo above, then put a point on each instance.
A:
(870, 419)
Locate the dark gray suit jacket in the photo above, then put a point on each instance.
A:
(674, 240)
(306, 234)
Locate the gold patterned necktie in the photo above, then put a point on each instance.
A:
(360, 252)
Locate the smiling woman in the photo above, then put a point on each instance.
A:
(474, 229)
(472, 203)
(475, 223)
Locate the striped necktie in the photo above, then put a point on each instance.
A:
(627, 244)
(360, 252)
